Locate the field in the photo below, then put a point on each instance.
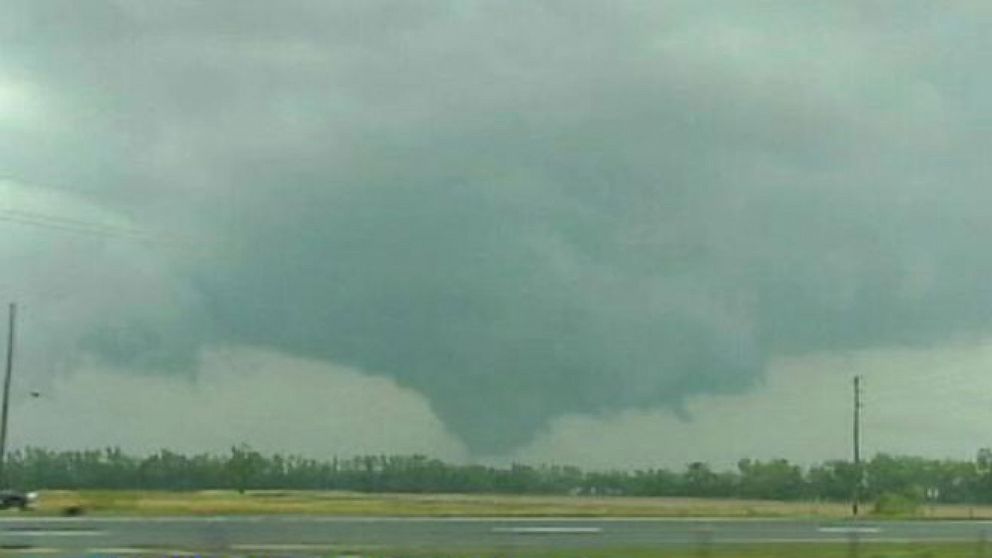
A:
(152, 503)
(885, 550)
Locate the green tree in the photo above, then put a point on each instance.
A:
(243, 466)
(776, 480)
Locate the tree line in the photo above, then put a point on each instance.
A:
(912, 478)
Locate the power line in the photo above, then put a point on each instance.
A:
(78, 226)
(71, 225)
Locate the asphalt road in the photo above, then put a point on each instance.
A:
(307, 536)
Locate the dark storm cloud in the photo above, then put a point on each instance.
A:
(526, 210)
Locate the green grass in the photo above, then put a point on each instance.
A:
(809, 550)
(130, 502)
(798, 550)
(162, 503)
(885, 550)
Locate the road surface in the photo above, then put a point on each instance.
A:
(311, 536)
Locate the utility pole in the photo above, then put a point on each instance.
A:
(6, 393)
(857, 446)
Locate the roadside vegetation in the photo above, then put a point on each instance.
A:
(276, 502)
(311, 502)
(245, 479)
(806, 550)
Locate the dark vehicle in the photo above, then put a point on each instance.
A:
(15, 499)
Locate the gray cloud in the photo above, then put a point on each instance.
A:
(522, 211)
(278, 404)
(929, 402)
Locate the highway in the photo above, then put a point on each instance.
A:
(312, 536)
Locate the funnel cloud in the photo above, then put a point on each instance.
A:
(519, 211)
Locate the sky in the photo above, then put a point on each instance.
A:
(615, 234)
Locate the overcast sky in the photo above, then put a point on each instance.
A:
(609, 233)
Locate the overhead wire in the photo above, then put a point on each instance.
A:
(68, 224)
(75, 226)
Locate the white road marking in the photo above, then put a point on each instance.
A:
(154, 551)
(548, 530)
(277, 547)
(849, 530)
(54, 532)
(815, 540)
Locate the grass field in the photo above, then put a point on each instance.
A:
(127, 502)
(886, 550)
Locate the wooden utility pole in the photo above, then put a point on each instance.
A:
(856, 494)
(6, 393)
